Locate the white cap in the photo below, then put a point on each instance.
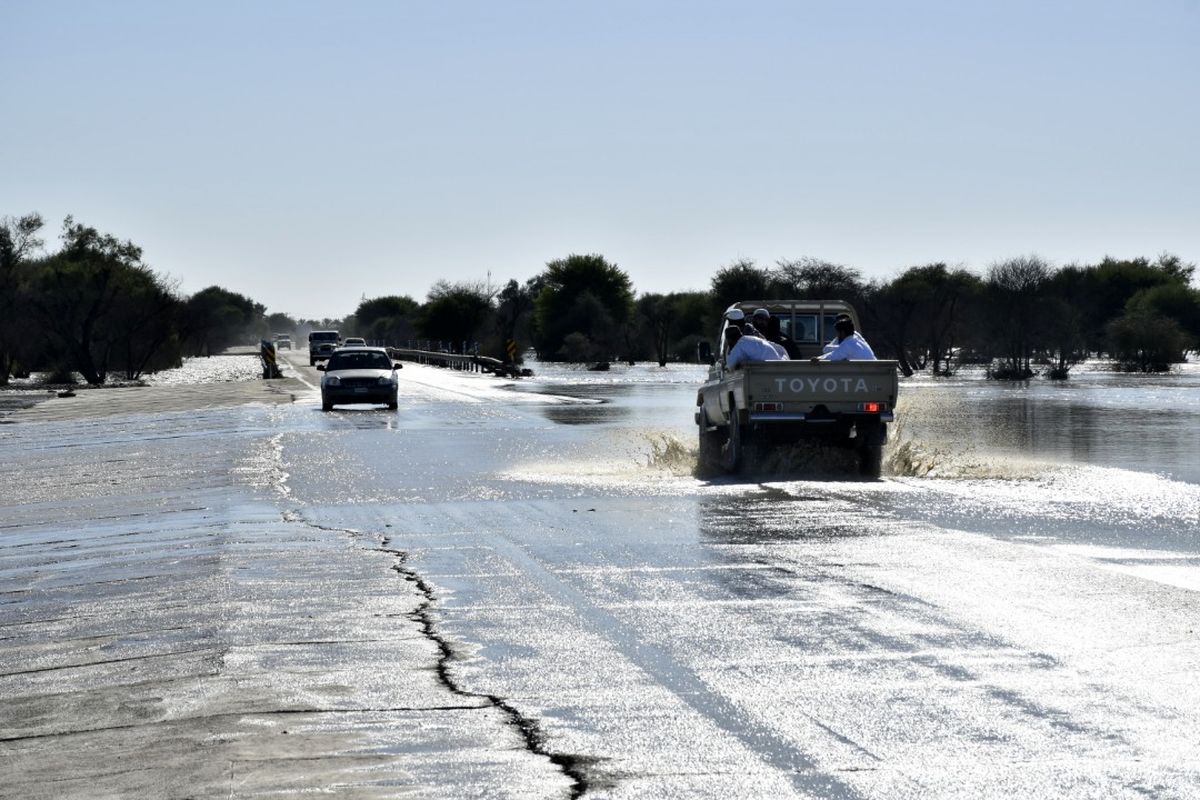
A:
(735, 315)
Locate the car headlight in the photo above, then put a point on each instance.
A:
(333, 380)
(386, 381)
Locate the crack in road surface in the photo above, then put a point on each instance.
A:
(531, 734)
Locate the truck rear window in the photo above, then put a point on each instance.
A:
(801, 328)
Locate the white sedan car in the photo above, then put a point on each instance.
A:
(358, 375)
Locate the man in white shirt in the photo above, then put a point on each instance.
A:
(849, 344)
(746, 349)
(752, 330)
(834, 341)
(768, 329)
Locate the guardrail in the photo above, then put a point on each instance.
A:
(466, 362)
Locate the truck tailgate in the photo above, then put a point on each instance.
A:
(838, 385)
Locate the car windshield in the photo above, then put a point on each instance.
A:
(362, 360)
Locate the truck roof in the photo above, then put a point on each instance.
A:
(793, 306)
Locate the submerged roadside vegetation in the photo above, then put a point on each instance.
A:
(95, 308)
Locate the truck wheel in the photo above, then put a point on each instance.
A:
(312, 362)
(710, 445)
(870, 449)
(870, 461)
(731, 451)
(326, 406)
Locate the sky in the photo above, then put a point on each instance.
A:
(311, 154)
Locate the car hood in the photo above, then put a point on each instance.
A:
(351, 374)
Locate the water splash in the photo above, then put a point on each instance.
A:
(669, 453)
(806, 458)
(911, 456)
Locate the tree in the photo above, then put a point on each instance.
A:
(215, 318)
(1157, 328)
(582, 294)
(810, 278)
(514, 307)
(280, 323)
(148, 312)
(656, 312)
(919, 317)
(1064, 344)
(89, 296)
(1063, 329)
(1102, 290)
(954, 295)
(1174, 301)
(741, 280)
(18, 241)
(694, 322)
(890, 309)
(1174, 267)
(455, 312)
(672, 324)
(1144, 342)
(391, 318)
(1013, 293)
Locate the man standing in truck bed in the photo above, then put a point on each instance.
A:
(850, 344)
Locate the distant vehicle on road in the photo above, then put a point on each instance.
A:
(321, 345)
(354, 341)
(283, 341)
(358, 375)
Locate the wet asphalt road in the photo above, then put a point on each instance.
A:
(577, 613)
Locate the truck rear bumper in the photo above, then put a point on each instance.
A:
(793, 416)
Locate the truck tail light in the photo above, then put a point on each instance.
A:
(871, 408)
(768, 406)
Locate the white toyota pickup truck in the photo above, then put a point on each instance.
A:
(769, 404)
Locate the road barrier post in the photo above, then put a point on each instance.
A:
(266, 354)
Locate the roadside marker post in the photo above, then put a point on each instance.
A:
(266, 354)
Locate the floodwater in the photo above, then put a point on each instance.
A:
(1010, 612)
(1144, 423)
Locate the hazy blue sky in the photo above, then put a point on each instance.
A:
(307, 154)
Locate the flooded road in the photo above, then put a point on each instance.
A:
(995, 619)
(1011, 612)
